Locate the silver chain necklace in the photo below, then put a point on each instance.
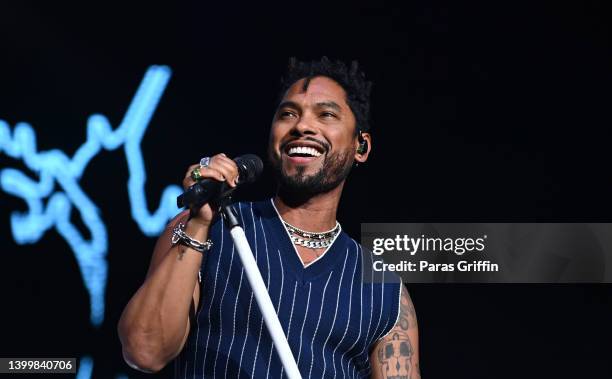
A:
(311, 240)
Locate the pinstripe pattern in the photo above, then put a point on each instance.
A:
(290, 319)
(304, 323)
(335, 312)
(236, 302)
(347, 324)
(263, 230)
(280, 298)
(360, 323)
(220, 314)
(331, 317)
(234, 319)
(251, 297)
(317, 328)
(209, 308)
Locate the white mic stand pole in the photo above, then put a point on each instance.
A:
(261, 293)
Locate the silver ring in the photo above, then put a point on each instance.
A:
(204, 162)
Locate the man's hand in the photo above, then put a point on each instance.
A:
(220, 168)
(397, 354)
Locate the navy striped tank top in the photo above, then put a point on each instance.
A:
(330, 315)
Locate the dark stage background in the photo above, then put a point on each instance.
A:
(482, 111)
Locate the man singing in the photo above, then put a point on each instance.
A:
(196, 306)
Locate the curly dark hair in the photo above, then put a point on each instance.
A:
(351, 79)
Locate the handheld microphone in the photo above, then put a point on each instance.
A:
(250, 167)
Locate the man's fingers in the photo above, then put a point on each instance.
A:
(220, 168)
(188, 180)
(205, 173)
(225, 166)
(228, 168)
(212, 173)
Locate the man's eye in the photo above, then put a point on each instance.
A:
(286, 114)
(328, 115)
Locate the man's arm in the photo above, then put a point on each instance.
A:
(397, 354)
(155, 324)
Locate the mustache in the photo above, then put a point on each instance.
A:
(323, 144)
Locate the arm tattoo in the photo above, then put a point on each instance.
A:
(181, 252)
(395, 356)
(395, 352)
(407, 317)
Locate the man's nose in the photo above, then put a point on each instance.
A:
(304, 126)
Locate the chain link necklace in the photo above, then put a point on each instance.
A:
(311, 240)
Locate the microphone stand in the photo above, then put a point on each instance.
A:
(259, 290)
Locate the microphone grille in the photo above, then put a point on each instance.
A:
(250, 166)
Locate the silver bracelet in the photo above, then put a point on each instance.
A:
(179, 236)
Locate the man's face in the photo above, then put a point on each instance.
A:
(312, 140)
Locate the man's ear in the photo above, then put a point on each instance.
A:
(364, 146)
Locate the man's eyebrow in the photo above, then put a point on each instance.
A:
(323, 104)
(288, 104)
(329, 104)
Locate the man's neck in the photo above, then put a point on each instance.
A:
(314, 214)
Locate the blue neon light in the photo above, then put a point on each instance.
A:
(85, 368)
(58, 180)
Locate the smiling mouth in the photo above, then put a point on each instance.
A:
(302, 152)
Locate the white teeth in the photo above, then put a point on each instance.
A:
(304, 150)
